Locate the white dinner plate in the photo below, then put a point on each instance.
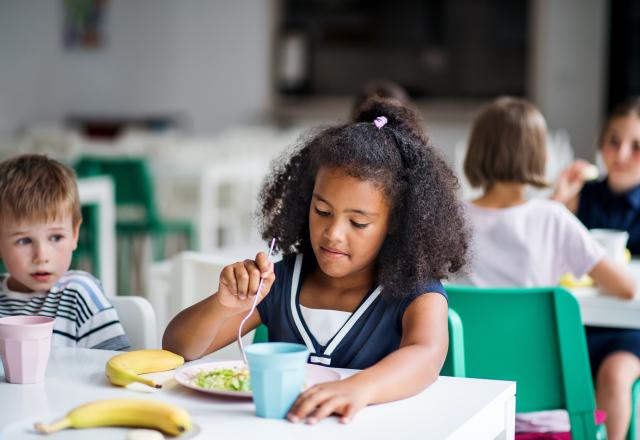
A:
(185, 376)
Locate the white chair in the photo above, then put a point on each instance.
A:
(188, 277)
(228, 200)
(138, 319)
(194, 276)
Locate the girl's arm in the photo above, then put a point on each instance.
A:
(403, 373)
(613, 279)
(213, 322)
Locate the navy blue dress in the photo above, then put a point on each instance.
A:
(372, 332)
(599, 207)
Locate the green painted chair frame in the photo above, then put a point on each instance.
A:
(633, 424)
(454, 364)
(134, 191)
(88, 247)
(536, 338)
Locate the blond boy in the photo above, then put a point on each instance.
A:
(39, 223)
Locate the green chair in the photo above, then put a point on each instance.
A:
(536, 338)
(88, 246)
(633, 424)
(454, 364)
(261, 334)
(136, 210)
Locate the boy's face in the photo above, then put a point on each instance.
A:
(37, 254)
(621, 152)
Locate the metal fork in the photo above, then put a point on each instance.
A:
(253, 307)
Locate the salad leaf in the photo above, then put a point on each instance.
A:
(225, 379)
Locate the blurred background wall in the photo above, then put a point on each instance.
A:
(206, 61)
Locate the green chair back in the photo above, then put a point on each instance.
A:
(454, 364)
(633, 423)
(534, 337)
(88, 246)
(261, 334)
(132, 182)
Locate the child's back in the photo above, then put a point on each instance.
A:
(527, 245)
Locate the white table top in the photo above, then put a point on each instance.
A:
(451, 408)
(600, 309)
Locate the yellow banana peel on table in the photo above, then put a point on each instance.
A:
(137, 413)
(125, 368)
(570, 282)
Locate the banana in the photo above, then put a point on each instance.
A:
(139, 413)
(123, 369)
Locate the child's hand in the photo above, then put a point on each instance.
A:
(572, 180)
(344, 398)
(239, 283)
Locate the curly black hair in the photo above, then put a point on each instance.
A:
(427, 238)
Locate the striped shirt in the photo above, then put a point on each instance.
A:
(84, 316)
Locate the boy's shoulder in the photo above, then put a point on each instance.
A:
(79, 281)
(85, 285)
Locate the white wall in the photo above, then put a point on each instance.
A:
(567, 66)
(206, 59)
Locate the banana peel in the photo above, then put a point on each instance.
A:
(125, 368)
(571, 282)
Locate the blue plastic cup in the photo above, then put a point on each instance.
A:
(277, 376)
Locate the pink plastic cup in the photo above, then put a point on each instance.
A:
(25, 343)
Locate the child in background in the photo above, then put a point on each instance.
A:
(368, 222)
(39, 224)
(612, 203)
(382, 88)
(532, 243)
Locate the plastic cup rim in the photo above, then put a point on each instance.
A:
(301, 349)
(6, 321)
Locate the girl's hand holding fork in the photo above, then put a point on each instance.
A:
(239, 283)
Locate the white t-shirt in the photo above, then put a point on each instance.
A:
(528, 245)
(324, 323)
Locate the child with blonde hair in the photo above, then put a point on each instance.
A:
(39, 223)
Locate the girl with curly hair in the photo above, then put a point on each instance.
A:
(368, 222)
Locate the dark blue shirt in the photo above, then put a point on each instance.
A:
(599, 207)
(372, 332)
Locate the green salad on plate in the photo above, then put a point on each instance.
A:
(224, 379)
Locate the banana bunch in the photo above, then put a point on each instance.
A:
(143, 413)
(123, 369)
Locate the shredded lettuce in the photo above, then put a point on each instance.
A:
(225, 379)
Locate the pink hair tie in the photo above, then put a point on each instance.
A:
(380, 121)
